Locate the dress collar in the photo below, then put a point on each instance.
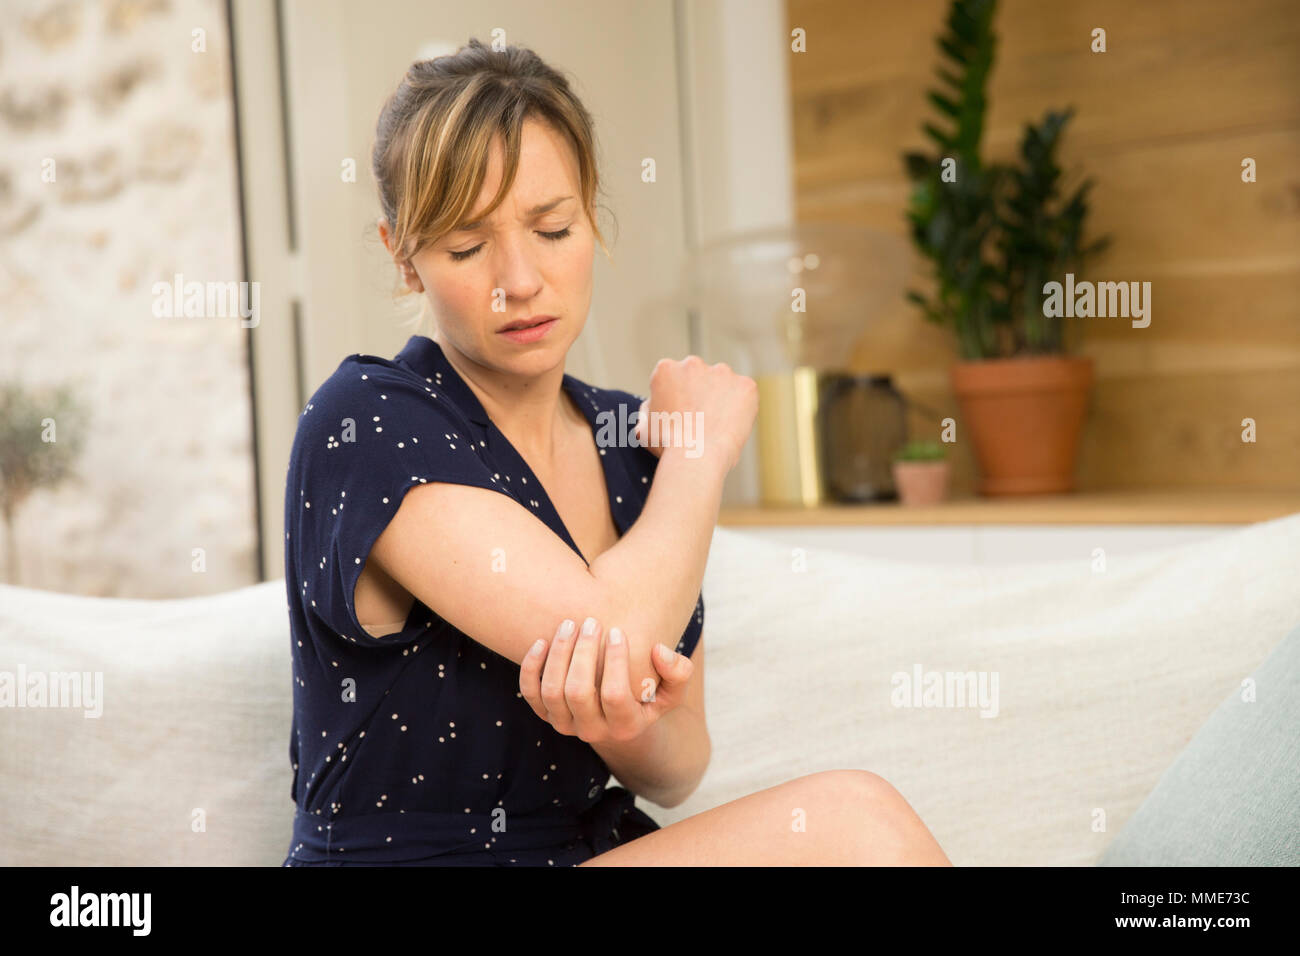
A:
(425, 356)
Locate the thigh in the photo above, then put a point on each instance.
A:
(835, 818)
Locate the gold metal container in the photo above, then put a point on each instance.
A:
(789, 439)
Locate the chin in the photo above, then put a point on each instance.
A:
(538, 359)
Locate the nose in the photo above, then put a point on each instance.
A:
(515, 266)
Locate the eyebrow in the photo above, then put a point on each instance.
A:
(535, 211)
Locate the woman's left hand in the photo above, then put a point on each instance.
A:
(565, 687)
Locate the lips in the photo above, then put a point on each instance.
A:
(526, 323)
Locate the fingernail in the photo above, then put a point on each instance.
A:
(566, 628)
(537, 647)
(666, 653)
(615, 636)
(589, 627)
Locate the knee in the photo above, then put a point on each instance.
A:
(861, 787)
(854, 786)
(866, 805)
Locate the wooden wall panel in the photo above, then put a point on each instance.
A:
(1186, 89)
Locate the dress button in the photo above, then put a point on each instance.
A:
(593, 791)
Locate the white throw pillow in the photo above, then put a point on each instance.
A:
(188, 762)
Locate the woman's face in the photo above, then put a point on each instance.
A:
(522, 261)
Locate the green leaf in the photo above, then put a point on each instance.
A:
(918, 165)
(939, 136)
(944, 104)
(954, 51)
(949, 77)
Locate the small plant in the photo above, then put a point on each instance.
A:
(40, 438)
(917, 450)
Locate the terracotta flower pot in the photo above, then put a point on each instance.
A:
(1024, 417)
(921, 482)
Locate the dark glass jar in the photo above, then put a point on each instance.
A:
(862, 423)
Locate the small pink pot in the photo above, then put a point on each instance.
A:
(921, 482)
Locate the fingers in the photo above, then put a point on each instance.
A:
(580, 684)
(553, 677)
(675, 669)
(600, 658)
(622, 711)
(530, 671)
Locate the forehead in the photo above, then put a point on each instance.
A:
(538, 209)
(546, 178)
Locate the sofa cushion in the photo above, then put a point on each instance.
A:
(1105, 672)
(187, 762)
(1232, 798)
(1104, 677)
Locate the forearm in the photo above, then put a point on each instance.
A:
(664, 765)
(650, 580)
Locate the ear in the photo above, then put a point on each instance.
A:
(410, 276)
(404, 267)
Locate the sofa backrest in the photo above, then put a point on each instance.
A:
(1101, 678)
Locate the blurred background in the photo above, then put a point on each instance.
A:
(147, 144)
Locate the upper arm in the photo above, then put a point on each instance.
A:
(383, 475)
(487, 566)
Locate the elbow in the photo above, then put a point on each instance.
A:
(690, 785)
(680, 795)
(668, 803)
(642, 630)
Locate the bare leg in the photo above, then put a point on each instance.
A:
(849, 818)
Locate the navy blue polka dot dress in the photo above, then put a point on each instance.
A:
(417, 748)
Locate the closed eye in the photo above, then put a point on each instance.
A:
(553, 236)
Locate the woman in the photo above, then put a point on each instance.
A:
(453, 513)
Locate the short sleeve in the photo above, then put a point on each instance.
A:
(691, 636)
(370, 434)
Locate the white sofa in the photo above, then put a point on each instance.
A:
(1103, 676)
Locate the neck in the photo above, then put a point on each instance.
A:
(533, 412)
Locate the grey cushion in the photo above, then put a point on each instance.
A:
(1232, 797)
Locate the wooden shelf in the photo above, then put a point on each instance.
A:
(1192, 506)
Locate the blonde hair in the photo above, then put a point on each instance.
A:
(435, 134)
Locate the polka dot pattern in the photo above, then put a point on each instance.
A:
(417, 747)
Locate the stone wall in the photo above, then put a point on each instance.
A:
(117, 171)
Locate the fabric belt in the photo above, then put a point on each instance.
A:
(396, 837)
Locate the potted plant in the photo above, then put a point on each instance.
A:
(995, 233)
(33, 455)
(921, 473)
